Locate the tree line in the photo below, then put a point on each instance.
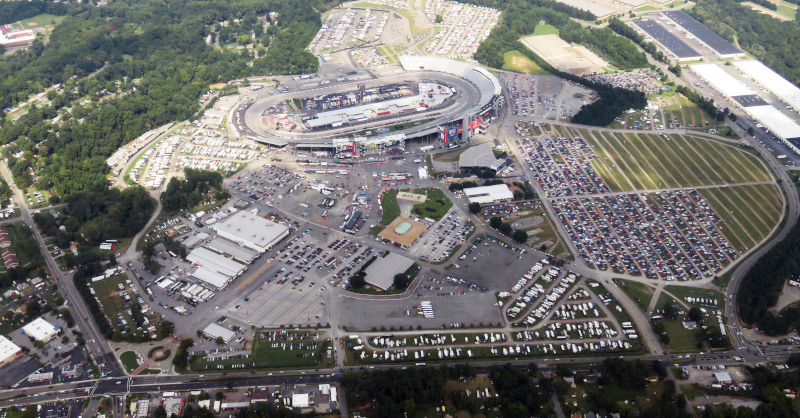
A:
(188, 193)
(760, 288)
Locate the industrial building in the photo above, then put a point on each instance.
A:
(666, 40)
(251, 231)
(40, 330)
(8, 351)
(210, 277)
(775, 122)
(702, 34)
(214, 269)
(772, 81)
(489, 194)
(213, 331)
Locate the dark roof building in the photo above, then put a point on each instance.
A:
(674, 46)
(704, 35)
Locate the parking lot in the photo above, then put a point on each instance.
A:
(672, 235)
(644, 80)
(464, 27)
(344, 27)
(439, 243)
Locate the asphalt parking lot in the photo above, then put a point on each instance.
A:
(439, 241)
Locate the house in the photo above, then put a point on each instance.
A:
(10, 258)
(571, 381)
(5, 239)
(689, 324)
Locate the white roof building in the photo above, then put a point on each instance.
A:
(300, 400)
(211, 277)
(720, 79)
(772, 81)
(213, 331)
(723, 377)
(8, 350)
(489, 194)
(251, 231)
(40, 330)
(776, 122)
(213, 261)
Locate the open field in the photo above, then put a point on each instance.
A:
(681, 292)
(681, 339)
(128, 359)
(435, 206)
(647, 161)
(641, 293)
(114, 304)
(43, 20)
(390, 207)
(788, 14)
(515, 61)
(749, 212)
(544, 30)
(272, 355)
(544, 233)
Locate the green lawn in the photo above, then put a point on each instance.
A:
(272, 355)
(544, 30)
(113, 306)
(390, 207)
(435, 206)
(517, 62)
(42, 20)
(646, 8)
(641, 293)
(128, 359)
(681, 339)
(682, 292)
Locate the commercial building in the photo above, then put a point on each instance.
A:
(8, 351)
(212, 278)
(702, 34)
(723, 377)
(40, 377)
(251, 231)
(480, 156)
(236, 251)
(772, 81)
(382, 271)
(666, 40)
(348, 227)
(214, 331)
(213, 261)
(489, 194)
(300, 400)
(403, 232)
(40, 330)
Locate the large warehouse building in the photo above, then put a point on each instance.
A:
(746, 99)
(40, 330)
(666, 40)
(489, 194)
(251, 231)
(772, 81)
(704, 35)
(214, 269)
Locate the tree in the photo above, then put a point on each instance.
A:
(520, 236)
(401, 281)
(695, 314)
(794, 360)
(518, 195)
(474, 207)
(220, 396)
(219, 341)
(495, 222)
(439, 19)
(750, 130)
(358, 281)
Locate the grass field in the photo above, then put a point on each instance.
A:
(271, 355)
(128, 359)
(390, 207)
(631, 161)
(515, 61)
(435, 206)
(682, 292)
(544, 30)
(749, 212)
(114, 305)
(42, 21)
(641, 293)
(681, 339)
(545, 233)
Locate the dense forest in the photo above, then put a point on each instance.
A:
(772, 41)
(155, 65)
(520, 18)
(762, 285)
(91, 217)
(188, 193)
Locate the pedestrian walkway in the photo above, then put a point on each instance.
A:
(156, 354)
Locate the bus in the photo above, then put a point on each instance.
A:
(171, 254)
